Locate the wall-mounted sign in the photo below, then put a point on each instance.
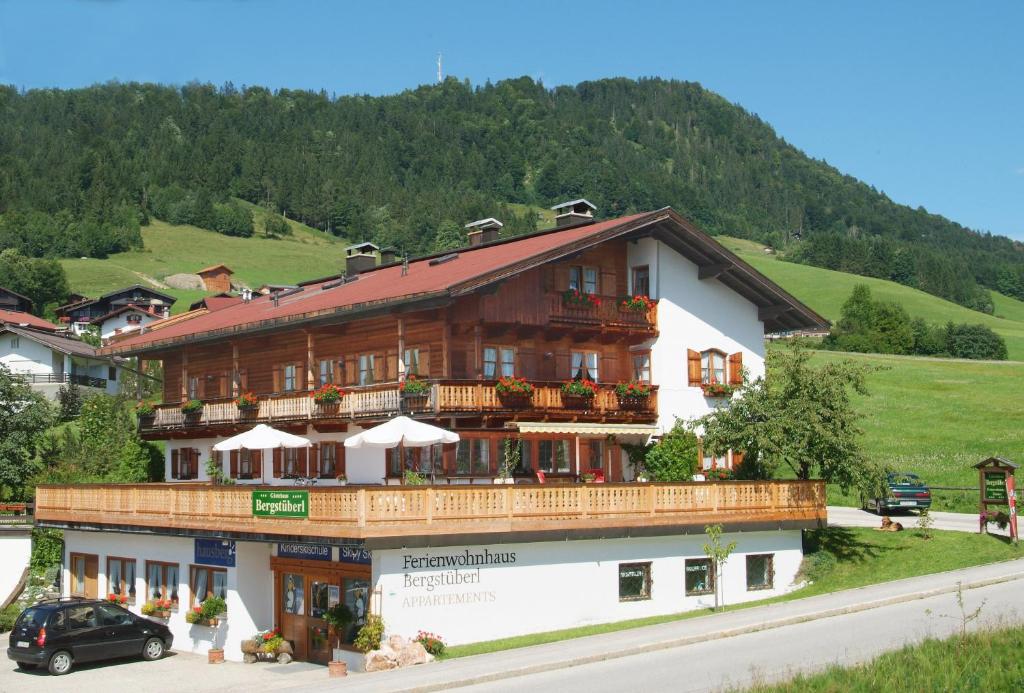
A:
(280, 503)
(309, 552)
(354, 554)
(215, 552)
(995, 487)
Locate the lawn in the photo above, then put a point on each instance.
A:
(836, 558)
(826, 290)
(989, 660)
(937, 417)
(170, 249)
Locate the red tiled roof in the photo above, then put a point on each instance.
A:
(124, 309)
(18, 318)
(381, 285)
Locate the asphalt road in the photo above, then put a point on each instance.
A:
(956, 522)
(776, 654)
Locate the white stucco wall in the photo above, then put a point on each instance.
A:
(28, 357)
(696, 314)
(119, 324)
(15, 551)
(563, 584)
(250, 587)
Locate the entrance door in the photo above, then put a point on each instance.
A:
(293, 612)
(318, 642)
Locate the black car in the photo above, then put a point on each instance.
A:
(61, 632)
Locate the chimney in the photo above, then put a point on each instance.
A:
(574, 212)
(360, 257)
(388, 255)
(483, 231)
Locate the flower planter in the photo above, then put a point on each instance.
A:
(633, 403)
(215, 655)
(337, 669)
(515, 400)
(328, 408)
(161, 613)
(252, 651)
(146, 420)
(577, 402)
(415, 401)
(247, 412)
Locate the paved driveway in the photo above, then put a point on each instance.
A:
(842, 516)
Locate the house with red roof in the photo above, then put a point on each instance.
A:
(550, 355)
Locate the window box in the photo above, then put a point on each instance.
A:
(634, 582)
(575, 298)
(514, 393)
(247, 402)
(633, 396)
(717, 389)
(578, 394)
(328, 396)
(192, 409)
(413, 387)
(636, 304)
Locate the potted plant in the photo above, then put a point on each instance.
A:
(588, 478)
(328, 397)
(414, 390)
(714, 389)
(338, 618)
(719, 474)
(578, 394)
(510, 462)
(633, 395)
(157, 608)
(411, 477)
(247, 403)
(117, 598)
(210, 612)
(146, 412)
(514, 392)
(580, 299)
(636, 304)
(215, 655)
(192, 408)
(341, 479)
(370, 634)
(431, 643)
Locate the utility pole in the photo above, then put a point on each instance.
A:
(440, 76)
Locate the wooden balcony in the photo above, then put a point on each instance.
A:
(608, 315)
(390, 511)
(447, 398)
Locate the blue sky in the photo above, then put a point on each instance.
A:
(923, 100)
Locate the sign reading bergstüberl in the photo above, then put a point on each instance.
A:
(995, 487)
(280, 503)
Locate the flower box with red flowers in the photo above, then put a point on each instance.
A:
(513, 392)
(117, 598)
(193, 407)
(580, 299)
(717, 390)
(636, 304)
(578, 394)
(633, 395)
(414, 387)
(719, 474)
(327, 394)
(247, 402)
(158, 608)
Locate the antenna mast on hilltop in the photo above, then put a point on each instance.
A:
(440, 76)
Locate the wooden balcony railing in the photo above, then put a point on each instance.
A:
(382, 511)
(608, 314)
(377, 401)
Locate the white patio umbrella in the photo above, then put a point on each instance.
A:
(403, 431)
(262, 437)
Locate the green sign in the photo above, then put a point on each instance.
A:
(995, 487)
(280, 503)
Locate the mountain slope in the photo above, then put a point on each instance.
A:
(826, 290)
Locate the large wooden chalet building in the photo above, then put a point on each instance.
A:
(646, 299)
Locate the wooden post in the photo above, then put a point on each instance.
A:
(361, 507)
(478, 352)
(446, 334)
(236, 374)
(184, 375)
(310, 375)
(403, 367)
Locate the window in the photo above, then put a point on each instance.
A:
(760, 571)
(355, 595)
(121, 577)
(700, 578)
(714, 462)
(553, 456)
(134, 317)
(473, 456)
(15, 342)
(326, 372)
(244, 464)
(412, 361)
(712, 367)
(642, 367)
(641, 281)
(208, 582)
(597, 455)
(110, 615)
(162, 581)
(499, 362)
(291, 378)
(507, 451)
(583, 279)
(366, 369)
(81, 616)
(83, 575)
(634, 581)
(193, 387)
(328, 461)
(290, 461)
(184, 463)
(584, 365)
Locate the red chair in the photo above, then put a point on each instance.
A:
(540, 477)
(598, 475)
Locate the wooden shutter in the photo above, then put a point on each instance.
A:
(693, 362)
(424, 368)
(257, 463)
(234, 464)
(277, 463)
(459, 365)
(391, 363)
(351, 370)
(563, 366)
(608, 367)
(379, 364)
(278, 378)
(338, 366)
(736, 368)
(313, 466)
(174, 463)
(193, 455)
(526, 363)
(737, 459)
(339, 458)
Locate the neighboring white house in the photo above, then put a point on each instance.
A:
(125, 319)
(48, 359)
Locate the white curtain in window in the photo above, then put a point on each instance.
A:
(172, 581)
(490, 362)
(220, 584)
(508, 360)
(154, 582)
(592, 365)
(590, 280)
(115, 577)
(199, 588)
(129, 577)
(576, 370)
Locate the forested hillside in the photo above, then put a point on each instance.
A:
(81, 169)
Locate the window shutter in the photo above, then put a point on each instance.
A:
(378, 368)
(339, 458)
(194, 470)
(257, 463)
(174, 463)
(608, 369)
(693, 363)
(339, 371)
(424, 363)
(304, 461)
(736, 368)
(278, 382)
(563, 366)
(459, 364)
(277, 463)
(223, 383)
(234, 464)
(737, 459)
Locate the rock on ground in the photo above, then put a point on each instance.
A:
(184, 281)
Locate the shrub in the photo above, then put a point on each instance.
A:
(8, 616)
(974, 342)
(674, 457)
(369, 636)
(431, 642)
(275, 225)
(69, 397)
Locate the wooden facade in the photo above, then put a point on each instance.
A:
(391, 511)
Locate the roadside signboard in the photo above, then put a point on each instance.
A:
(280, 503)
(995, 487)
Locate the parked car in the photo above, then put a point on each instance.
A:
(59, 633)
(906, 491)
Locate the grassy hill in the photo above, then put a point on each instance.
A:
(826, 290)
(169, 249)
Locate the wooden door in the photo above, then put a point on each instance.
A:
(318, 641)
(292, 599)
